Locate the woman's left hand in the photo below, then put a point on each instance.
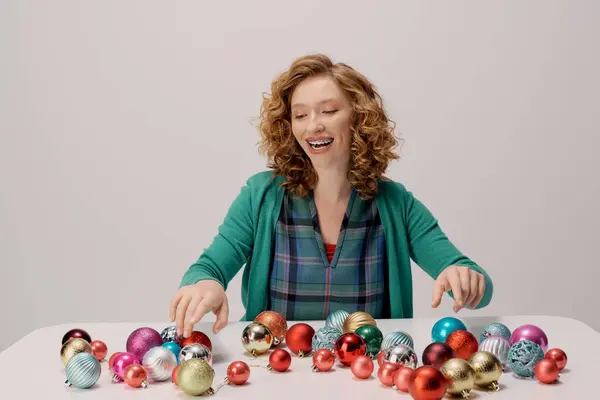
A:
(467, 285)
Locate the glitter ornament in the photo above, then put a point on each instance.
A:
(498, 346)
(325, 338)
(76, 334)
(169, 334)
(532, 333)
(356, 320)
(174, 348)
(238, 373)
(82, 371)
(99, 349)
(402, 377)
(196, 350)
(348, 347)
(546, 371)
(195, 377)
(401, 354)
(386, 373)
(196, 337)
(141, 340)
(460, 376)
(323, 360)
(159, 362)
(495, 329)
(444, 327)
(276, 324)
(136, 376)
(121, 362)
(488, 370)
(299, 339)
(74, 346)
(257, 339)
(279, 360)
(437, 353)
(523, 356)
(336, 319)
(464, 343)
(372, 337)
(427, 383)
(362, 367)
(397, 338)
(559, 356)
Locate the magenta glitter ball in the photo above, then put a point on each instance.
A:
(121, 362)
(141, 340)
(532, 333)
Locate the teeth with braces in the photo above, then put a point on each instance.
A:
(315, 143)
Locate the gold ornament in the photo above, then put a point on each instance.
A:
(460, 375)
(488, 370)
(195, 377)
(356, 320)
(257, 338)
(74, 346)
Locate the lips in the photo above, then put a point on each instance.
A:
(318, 143)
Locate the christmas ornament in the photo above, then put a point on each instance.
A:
(523, 356)
(83, 371)
(427, 383)
(121, 362)
(488, 370)
(111, 360)
(196, 350)
(546, 371)
(362, 367)
(323, 360)
(386, 373)
(169, 334)
(401, 354)
(325, 338)
(257, 338)
(299, 339)
(99, 349)
(136, 376)
(559, 356)
(444, 327)
(464, 343)
(238, 373)
(76, 333)
(160, 362)
(498, 346)
(495, 329)
(174, 374)
(196, 337)
(372, 337)
(380, 356)
(402, 378)
(74, 346)
(195, 377)
(460, 377)
(397, 338)
(174, 348)
(279, 360)
(141, 340)
(276, 324)
(356, 320)
(437, 353)
(348, 347)
(336, 320)
(532, 333)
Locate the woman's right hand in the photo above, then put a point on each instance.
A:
(192, 302)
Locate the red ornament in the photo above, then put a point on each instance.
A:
(348, 347)
(174, 374)
(402, 378)
(427, 383)
(197, 337)
(279, 360)
(299, 339)
(238, 372)
(276, 324)
(464, 343)
(380, 357)
(437, 353)
(99, 349)
(136, 376)
(362, 367)
(546, 371)
(559, 356)
(386, 373)
(76, 333)
(111, 360)
(323, 360)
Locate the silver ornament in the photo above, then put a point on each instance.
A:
(401, 354)
(397, 338)
(169, 334)
(195, 350)
(498, 346)
(159, 362)
(336, 319)
(325, 338)
(495, 329)
(83, 371)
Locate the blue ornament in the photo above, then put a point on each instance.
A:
(174, 347)
(397, 338)
(445, 327)
(336, 319)
(495, 329)
(523, 356)
(83, 371)
(325, 338)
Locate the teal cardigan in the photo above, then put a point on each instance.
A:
(246, 236)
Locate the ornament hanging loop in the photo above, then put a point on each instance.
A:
(494, 386)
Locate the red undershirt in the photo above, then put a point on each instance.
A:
(329, 249)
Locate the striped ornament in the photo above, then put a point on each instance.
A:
(336, 319)
(397, 338)
(498, 346)
(83, 371)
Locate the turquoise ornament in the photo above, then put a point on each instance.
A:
(336, 319)
(325, 338)
(445, 327)
(373, 338)
(495, 329)
(523, 356)
(174, 347)
(83, 371)
(398, 337)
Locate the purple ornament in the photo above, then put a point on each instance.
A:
(141, 340)
(122, 361)
(532, 333)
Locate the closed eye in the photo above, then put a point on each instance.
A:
(331, 111)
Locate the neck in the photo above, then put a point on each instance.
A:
(333, 185)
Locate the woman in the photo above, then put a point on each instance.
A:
(325, 230)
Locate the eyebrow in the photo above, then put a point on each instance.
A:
(320, 102)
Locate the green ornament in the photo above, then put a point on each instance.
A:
(372, 336)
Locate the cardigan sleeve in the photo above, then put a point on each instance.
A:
(431, 249)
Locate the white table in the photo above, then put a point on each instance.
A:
(31, 368)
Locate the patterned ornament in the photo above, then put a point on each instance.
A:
(257, 338)
(336, 319)
(299, 339)
(401, 354)
(195, 350)
(464, 343)
(437, 353)
(174, 348)
(196, 337)
(136, 376)
(444, 327)
(169, 334)
(398, 337)
(532, 333)
(141, 340)
(498, 346)
(495, 329)
(325, 338)
(276, 324)
(348, 347)
(523, 356)
(121, 362)
(372, 337)
(72, 347)
(427, 383)
(195, 377)
(76, 333)
(488, 370)
(356, 320)
(159, 362)
(460, 375)
(83, 371)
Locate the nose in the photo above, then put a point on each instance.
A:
(315, 126)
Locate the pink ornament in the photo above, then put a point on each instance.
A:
(532, 333)
(141, 340)
(121, 362)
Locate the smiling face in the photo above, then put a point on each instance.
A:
(321, 120)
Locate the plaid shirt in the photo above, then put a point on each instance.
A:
(305, 286)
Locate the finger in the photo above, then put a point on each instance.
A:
(454, 280)
(180, 315)
(188, 324)
(222, 316)
(480, 292)
(465, 284)
(173, 306)
(202, 309)
(438, 291)
(474, 285)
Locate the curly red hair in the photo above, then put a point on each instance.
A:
(373, 137)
